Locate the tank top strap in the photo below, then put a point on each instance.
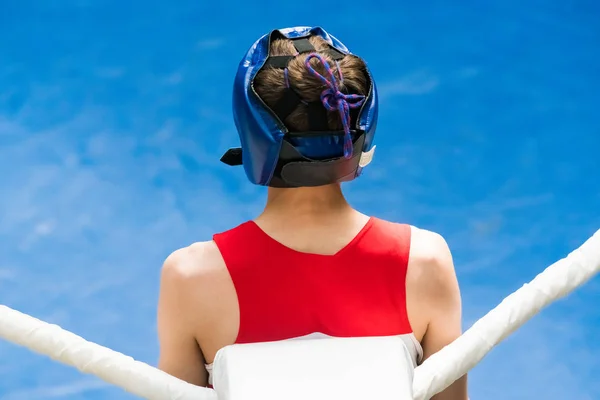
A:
(389, 239)
(240, 244)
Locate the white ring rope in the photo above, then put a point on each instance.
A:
(113, 367)
(558, 280)
(437, 373)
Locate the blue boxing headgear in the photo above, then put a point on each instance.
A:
(271, 154)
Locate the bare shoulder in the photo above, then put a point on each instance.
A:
(198, 299)
(192, 262)
(192, 271)
(433, 299)
(431, 266)
(185, 308)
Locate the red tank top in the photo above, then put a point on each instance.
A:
(283, 293)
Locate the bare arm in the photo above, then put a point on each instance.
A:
(446, 310)
(180, 354)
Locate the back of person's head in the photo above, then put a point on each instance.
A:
(305, 109)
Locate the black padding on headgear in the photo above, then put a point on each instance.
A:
(303, 45)
(279, 62)
(282, 62)
(335, 54)
(295, 170)
(317, 116)
(232, 157)
(288, 103)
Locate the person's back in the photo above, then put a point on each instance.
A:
(309, 265)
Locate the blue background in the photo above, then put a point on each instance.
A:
(113, 116)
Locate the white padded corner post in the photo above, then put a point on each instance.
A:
(376, 368)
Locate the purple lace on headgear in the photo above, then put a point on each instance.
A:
(334, 100)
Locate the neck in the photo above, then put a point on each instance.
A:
(307, 203)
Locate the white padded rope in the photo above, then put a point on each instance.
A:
(113, 367)
(558, 280)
